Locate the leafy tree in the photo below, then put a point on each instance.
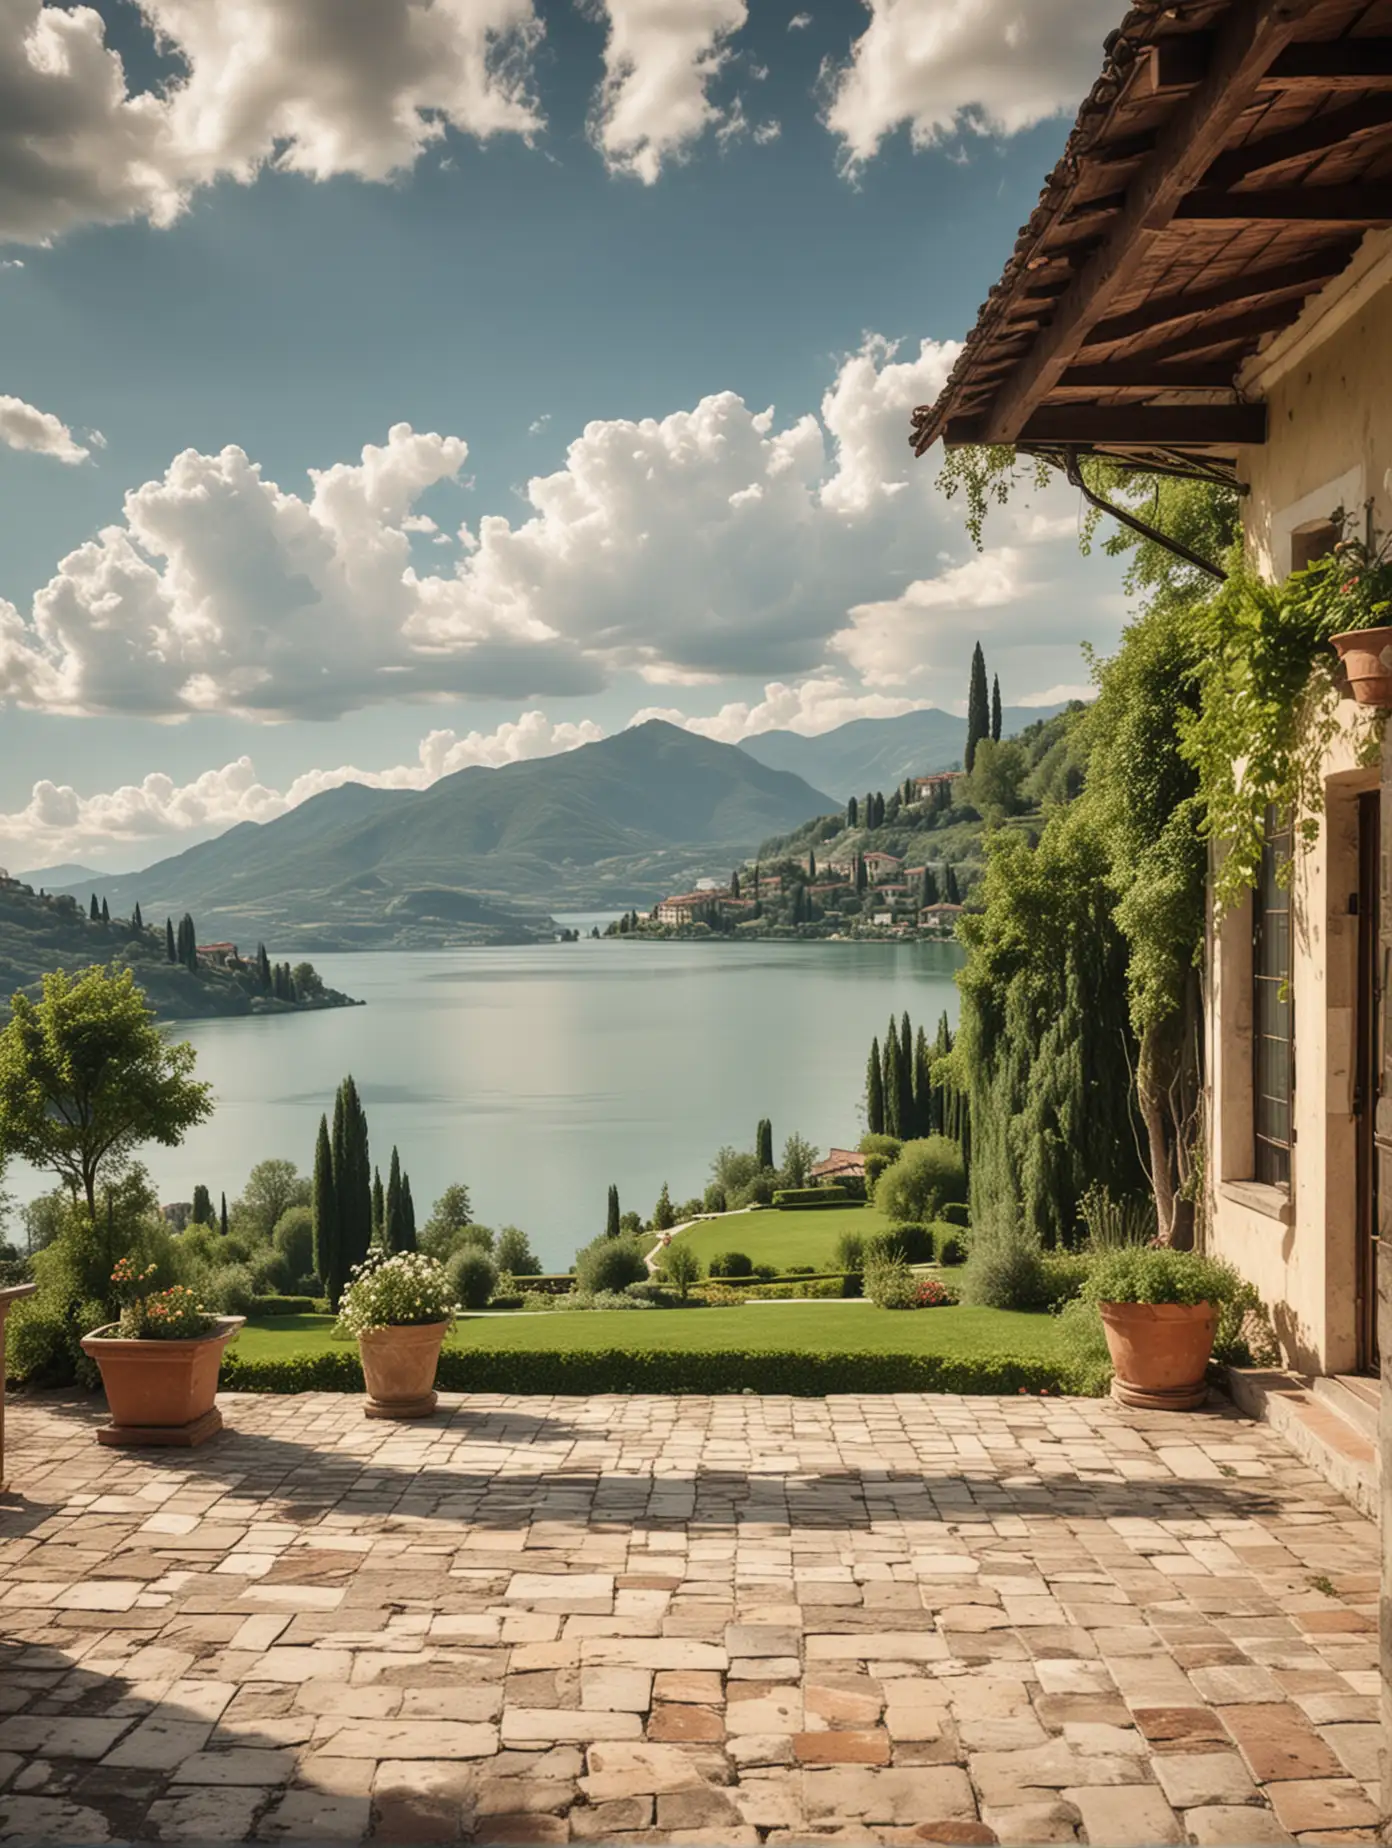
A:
(663, 1218)
(631, 1225)
(306, 981)
(928, 1174)
(978, 708)
(611, 1223)
(86, 1077)
(515, 1255)
(799, 1158)
(352, 1174)
(874, 1091)
(450, 1212)
(328, 1234)
(44, 1218)
(681, 1268)
(474, 1276)
(763, 1143)
(272, 1188)
(294, 1240)
(993, 785)
(610, 1264)
(995, 709)
(202, 1214)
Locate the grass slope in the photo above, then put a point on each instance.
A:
(784, 1238)
(770, 1328)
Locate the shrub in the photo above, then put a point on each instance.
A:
(293, 1238)
(1111, 1223)
(597, 1299)
(284, 1305)
(930, 1293)
(886, 1146)
(1006, 1270)
(889, 1283)
(927, 1173)
(875, 1166)
(951, 1250)
(271, 1274)
(610, 1264)
(796, 1270)
(850, 1251)
(722, 1296)
(955, 1213)
(714, 1198)
(810, 1196)
(472, 1277)
(229, 1291)
(767, 1272)
(1062, 1276)
(681, 1268)
(731, 1264)
(39, 1344)
(915, 1241)
(513, 1253)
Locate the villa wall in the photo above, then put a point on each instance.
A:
(1328, 385)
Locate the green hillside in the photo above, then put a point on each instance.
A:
(41, 933)
(615, 822)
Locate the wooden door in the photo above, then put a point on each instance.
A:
(1367, 1074)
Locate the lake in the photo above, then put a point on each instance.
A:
(538, 1075)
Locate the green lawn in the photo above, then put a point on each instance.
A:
(811, 1327)
(771, 1237)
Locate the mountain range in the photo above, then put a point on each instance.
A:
(481, 855)
(879, 753)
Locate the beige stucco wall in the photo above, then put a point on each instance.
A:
(1328, 386)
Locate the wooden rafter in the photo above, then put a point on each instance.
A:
(1249, 324)
(1198, 128)
(1144, 375)
(1126, 426)
(1281, 283)
(1322, 134)
(1360, 206)
(1182, 61)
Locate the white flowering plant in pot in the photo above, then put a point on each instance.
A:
(403, 1289)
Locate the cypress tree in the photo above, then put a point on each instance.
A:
(171, 954)
(105, 912)
(352, 1170)
(811, 864)
(611, 1222)
(874, 1092)
(893, 1082)
(137, 922)
(328, 1244)
(392, 1234)
(879, 809)
(852, 813)
(408, 1215)
(862, 878)
(664, 1218)
(763, 1143)
(924, 1124)
(978, 708)
(951, 890)
(735, 883)
(263, 968)
(908, 1115)
(868, 812)
(202, 1214)
(930, 886)
(92, 912)
(379, 1208)
(222, 1217)
(995, 709)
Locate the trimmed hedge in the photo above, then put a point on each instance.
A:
(955, 1213)
(798, 1375)
(787, 1197)
(285, 1305)
(552, 1284)
(789, 1286)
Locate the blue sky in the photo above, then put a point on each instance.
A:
(580, 253)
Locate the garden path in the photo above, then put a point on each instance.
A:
(651, 1620)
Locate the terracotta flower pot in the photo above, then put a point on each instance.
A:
(1366, 655)
(1159, 1353)
(160, 1392)
(399, 1368)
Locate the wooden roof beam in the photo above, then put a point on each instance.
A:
(1359, 206)
(1127, 426)
(1249, 324)
(1182, 61)
(1162, 311)
(1322, 134)
(1256, 33)
(1143, 375)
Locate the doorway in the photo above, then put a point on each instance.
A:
(1367, 1075)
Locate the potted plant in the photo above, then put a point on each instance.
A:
(400, 1308)
(1355, 583)
(1159, 1310)
(159, 1363)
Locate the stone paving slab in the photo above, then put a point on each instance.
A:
(678, 1620)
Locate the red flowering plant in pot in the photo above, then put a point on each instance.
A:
(159, 1363)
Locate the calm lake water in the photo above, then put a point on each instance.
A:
(539, 1075)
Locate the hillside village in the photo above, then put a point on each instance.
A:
(900, 865)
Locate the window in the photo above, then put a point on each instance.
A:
(1274, 1079)
(1312, 541)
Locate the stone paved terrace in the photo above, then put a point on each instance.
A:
(684, 1620)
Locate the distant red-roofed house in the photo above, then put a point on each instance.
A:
(839, 1165)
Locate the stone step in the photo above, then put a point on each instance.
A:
(1329, 1442)
(1354, 1397)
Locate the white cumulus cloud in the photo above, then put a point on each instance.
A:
(902, 639)
(305, 85)
(58, 823)
(939, 67)
(22, 426)
(660, 61)
(811, 707)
